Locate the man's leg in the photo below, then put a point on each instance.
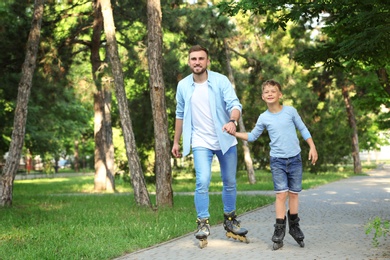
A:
(228, 164)
(202, 162)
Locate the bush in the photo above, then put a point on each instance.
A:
(381, 228)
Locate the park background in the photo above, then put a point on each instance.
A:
(100, 62)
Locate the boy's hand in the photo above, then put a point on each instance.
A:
(313, 156)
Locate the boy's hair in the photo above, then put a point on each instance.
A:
(272, 83)
(198, 48)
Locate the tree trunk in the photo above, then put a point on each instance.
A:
(104, 149)
(163, 170)
(245, 147)
(24, 90)
(141, 194)
(383, 77)
(357, 166)
(76, 156)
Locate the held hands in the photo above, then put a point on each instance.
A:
(230, 128)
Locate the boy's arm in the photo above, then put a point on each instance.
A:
(313, 156)
(241, 135)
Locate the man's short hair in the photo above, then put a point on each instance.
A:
(198, 48)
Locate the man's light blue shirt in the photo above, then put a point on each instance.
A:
(281, 128)
(223, 100)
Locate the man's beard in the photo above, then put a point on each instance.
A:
(198, 72)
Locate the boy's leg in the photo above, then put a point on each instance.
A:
(279, 177)
(294, 170)
(293, 202)
(280, 180)
(280, 205)
(295, 186)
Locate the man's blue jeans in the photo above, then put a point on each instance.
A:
(228, 163)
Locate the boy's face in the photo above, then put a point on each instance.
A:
(271, 94)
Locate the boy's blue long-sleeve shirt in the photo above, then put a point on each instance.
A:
(223, 100)
(281, 128)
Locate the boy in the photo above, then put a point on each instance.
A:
(285, 158)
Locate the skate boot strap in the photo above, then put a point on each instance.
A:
(232, 218)
(295, 221)
(276, 225)
(205, 221)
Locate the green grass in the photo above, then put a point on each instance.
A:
(62, 218)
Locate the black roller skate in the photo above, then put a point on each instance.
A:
(203, 231)
(233, 229)
(279, 233)
(294, 230)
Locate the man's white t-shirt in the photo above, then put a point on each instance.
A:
(203, 131)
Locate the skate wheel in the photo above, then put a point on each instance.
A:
(301, 243)
(276, 246)
(230, 235)
(237, 237)
(203, 243)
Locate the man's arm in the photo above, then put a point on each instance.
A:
(230, 126)
(176, 138)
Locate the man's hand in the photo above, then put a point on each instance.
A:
(230, 128)
(176, 150)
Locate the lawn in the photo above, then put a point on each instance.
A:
(62, 218)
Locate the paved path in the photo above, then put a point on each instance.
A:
(333, 219)
(24, 176)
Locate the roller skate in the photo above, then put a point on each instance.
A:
(279, 233)
(203, 231)
(294, 230)
(233, 229)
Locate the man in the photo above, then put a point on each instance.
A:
(207, 112)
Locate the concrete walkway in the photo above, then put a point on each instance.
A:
(333, 219)
(25, 176)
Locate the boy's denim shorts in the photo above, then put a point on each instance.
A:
(287, 173)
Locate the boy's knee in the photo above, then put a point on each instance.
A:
(281, 195)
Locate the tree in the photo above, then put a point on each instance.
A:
(137, 178)
(163, 171)
(359, 30)
(24, 89)
(351, 41)
(343, 84)
(245, 147)
(104, 148)
(13, 38)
